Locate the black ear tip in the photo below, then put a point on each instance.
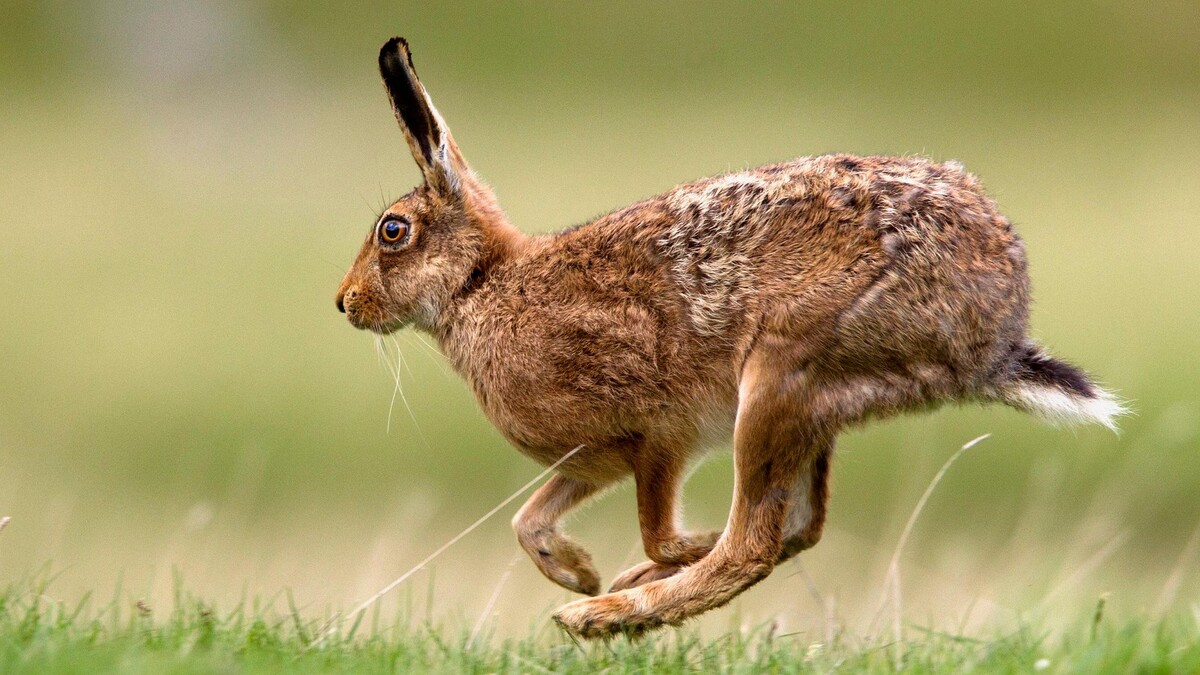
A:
(395, 47)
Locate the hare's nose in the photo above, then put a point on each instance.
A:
(346, 298)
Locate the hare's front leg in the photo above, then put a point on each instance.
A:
(659, 477)
(562, 560)
(776, 438)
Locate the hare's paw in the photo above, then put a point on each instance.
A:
(563, 561)
(643, 574)
(669, 556)
(684, 548)
(606, 616)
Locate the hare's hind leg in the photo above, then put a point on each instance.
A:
(810, 494)
(562, 560)
(775, 439)
(659, 472)
(670, 551)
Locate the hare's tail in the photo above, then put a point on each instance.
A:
(1057, 391)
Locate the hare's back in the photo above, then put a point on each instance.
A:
(895, 263)
(817, 231)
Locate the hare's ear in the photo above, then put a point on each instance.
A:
(430, 140)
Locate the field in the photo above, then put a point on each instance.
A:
(38, 636)
(179, 398)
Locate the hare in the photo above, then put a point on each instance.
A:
(778, 305)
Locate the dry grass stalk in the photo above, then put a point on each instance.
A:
(491, 603)
(1166, 598)
(891, 583)
(333, 624)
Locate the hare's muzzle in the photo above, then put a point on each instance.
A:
(363, 312)
(351, 303)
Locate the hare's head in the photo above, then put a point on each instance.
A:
(428, 244)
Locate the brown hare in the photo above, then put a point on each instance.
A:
(778, 305)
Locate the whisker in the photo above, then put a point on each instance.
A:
(395, 373)
(366, 202)
(331, 263)
(385, 360)
(400, 355)
(399, 391)
(404, 399)
(433, 354)
(379, 350)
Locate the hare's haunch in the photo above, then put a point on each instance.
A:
(780, 305)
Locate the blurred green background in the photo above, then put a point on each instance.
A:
(183, 183)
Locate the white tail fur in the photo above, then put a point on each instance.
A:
(1065, 407)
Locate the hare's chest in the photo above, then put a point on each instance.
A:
(562, 376)
(544, 422)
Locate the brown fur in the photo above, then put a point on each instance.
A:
(781, 303)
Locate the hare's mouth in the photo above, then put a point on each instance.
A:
(387, 328)
(375, 324)
(382, 327)
(389, 325)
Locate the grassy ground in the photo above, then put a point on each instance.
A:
(40, 635)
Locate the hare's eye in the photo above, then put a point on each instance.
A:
(392, 230)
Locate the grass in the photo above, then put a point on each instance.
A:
(42, 635)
